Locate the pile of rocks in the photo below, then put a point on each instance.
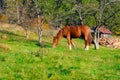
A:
(110, 42)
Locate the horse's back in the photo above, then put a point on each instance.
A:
(85, 29)
(73, 31)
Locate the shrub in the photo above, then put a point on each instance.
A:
(3, 18)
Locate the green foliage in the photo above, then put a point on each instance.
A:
(66, 11)
(90, 20)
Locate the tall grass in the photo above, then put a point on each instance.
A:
(26, 60)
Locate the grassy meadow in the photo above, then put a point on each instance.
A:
(24, 59)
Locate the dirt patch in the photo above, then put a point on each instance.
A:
(4, 36)
(4, 46)
(5, 25)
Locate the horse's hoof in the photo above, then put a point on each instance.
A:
(87, 48)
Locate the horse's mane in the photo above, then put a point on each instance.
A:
(59, 33)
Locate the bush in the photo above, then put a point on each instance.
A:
(3, 18)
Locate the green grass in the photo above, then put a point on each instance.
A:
(25, 60)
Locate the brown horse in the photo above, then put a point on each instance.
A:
(70, 32)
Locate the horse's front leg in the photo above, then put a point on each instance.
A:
(73, 44)
(69, 43)
(86, 45)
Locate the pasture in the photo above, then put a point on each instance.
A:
(24, 59)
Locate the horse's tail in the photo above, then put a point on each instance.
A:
(90, 38)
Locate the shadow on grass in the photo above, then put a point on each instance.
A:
(44, 44)
(10, 33)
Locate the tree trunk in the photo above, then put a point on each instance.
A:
(39, 30)
(40, 35)
(27, 35)
(39, 23)
(18, 13)
(96, 40)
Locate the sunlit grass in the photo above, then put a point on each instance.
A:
(26, 60)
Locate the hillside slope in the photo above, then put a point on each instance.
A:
(24, 59)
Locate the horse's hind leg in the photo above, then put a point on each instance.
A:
(86, 44)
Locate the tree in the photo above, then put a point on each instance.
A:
(39, 12)
(1, 4)
(102, 16)
(25, 20)
(12, 10)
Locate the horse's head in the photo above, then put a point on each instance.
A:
(57, 38)
(55, 42)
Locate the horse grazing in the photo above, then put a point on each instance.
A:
(70, 32)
